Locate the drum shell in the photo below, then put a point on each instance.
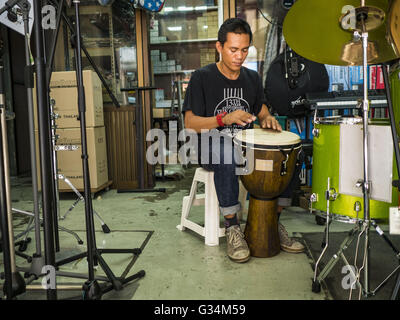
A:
(270, 184)
(326, 153)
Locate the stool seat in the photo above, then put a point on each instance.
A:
(211, 230)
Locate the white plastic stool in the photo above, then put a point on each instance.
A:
(211, 230)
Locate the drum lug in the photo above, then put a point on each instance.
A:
(284, 166)
(315, 132)
(357, 207)
(313, 198)
(359, 183)
(331, 194)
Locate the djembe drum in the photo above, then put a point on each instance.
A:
(274, 156)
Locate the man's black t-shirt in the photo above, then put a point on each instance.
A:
(209, 93)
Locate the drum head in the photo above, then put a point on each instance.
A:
(267, 139)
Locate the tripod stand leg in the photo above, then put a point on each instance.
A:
(105, 228)
(41, 221)
(316, 286)
(335, 258)
(395, 293)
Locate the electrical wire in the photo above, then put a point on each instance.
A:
(273, 23)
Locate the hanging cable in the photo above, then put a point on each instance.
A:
(269, 21)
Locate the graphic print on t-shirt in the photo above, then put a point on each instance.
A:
(233, 100)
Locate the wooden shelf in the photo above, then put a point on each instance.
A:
(98, 52)
(184, 41)
(176, 11)
(173, 72)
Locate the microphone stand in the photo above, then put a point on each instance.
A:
(44, 145)
(91, 288)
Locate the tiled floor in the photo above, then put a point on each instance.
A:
(177, 264)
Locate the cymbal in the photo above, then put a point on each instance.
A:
(362, 19)
(323, 31)
(394, 25)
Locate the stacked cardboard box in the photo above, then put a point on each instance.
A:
(155, 34)
(63, 90)
(207, 56)
(207, 25)
(161, 63)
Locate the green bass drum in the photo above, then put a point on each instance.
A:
(329, 161)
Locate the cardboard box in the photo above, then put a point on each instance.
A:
(69, 163)
(161, 112)
(64, 91)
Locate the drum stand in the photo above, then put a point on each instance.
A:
(362, 227)
(57, 176)
(37, 259)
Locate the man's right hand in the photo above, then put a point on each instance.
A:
(239, 117)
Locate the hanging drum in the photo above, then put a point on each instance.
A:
(289, 78)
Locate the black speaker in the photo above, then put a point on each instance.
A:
(289, 78)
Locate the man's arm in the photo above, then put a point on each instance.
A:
(197, 123)
(268, 121)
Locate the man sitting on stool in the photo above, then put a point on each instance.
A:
(228, 97)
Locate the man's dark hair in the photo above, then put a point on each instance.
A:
(235, 25)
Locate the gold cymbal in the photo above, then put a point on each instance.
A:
(394, 26)
(362, 19)
(323, 31)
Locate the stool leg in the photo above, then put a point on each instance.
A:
(185, 213)
(211, 216)
(187, 204)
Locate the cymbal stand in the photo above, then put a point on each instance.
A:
(14, 283)
(17, 282)
(37, 259)
(91, 288)
(58, 176)
(362, 226)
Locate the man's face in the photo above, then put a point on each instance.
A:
(235, 50)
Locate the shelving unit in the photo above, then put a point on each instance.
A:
(105, 30)
(182, 39)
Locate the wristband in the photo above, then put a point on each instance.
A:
(219, 118)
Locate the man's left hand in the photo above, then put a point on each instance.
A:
(269, 122)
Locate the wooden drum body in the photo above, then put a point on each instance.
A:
(274, 155)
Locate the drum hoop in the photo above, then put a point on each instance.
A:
(269, 147)
(351, 121)
(338, 120)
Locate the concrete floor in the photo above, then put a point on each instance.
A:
(177, 264)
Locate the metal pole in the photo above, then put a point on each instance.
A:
(7, 250)
(367, 183)
(29, 93)
(44, 143)
(86, 177)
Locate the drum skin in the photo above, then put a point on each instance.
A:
(326, 164)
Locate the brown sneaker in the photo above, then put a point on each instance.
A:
(238, 250)
(288, 244)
